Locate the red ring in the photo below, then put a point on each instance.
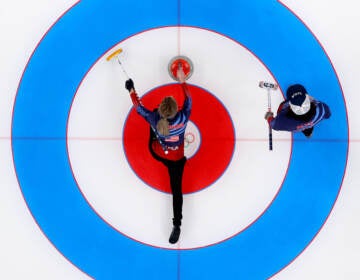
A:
(215, 150)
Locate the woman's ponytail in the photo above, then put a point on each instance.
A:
(163, 126)
(167, 109)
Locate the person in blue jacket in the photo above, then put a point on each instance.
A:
(166, 144)
(299, 112)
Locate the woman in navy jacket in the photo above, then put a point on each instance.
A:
(299, 112)
(167, 130)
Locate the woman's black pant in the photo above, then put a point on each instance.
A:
(175, 170)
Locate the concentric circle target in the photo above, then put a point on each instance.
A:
(112, 165)
(43, 155)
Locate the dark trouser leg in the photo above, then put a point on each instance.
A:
(176, 170)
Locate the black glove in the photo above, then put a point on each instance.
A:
(129, 85)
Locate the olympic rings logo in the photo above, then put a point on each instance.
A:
(189, 138)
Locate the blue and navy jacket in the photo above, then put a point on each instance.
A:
(177, 125)
(286, 120)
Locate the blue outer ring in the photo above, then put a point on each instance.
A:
(42, 106)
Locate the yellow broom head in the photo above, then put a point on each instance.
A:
(113, 54)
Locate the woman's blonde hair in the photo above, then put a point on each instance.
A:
(167, 109)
